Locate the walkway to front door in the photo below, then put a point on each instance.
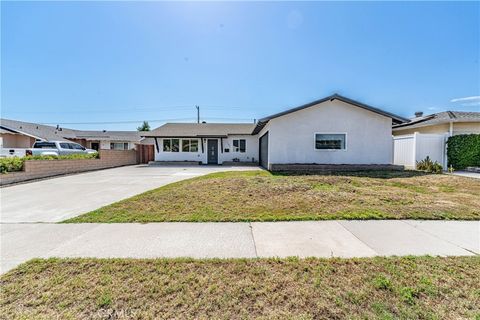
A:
(212, 149)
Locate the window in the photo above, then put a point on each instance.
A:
(167, 145)
(330, 141)
(44, 145)
(65, 146)
(239, 145)
(76, 146)
(171, 145)
(189, 145)
(119, 145)
(243, 145)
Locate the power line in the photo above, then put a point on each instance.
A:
(133, 109)
(140, 121)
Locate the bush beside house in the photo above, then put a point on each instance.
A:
(463, 151)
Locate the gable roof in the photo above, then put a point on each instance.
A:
(50, 133)
(395, 119)
(38, 131)
(108, 135)
(179, 130)
(440, 118)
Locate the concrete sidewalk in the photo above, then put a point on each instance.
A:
(21, 242)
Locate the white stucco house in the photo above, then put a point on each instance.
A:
(334, 130)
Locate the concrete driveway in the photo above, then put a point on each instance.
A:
(60, 198)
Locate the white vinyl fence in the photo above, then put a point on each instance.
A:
(408, 149)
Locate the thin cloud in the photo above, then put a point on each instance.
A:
(473, 98)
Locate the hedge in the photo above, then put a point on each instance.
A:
(13, 164)
(463, 151)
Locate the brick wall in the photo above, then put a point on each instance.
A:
(331, 167)
(35, 169)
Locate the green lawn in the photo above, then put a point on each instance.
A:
(368, 288)
(261, 196)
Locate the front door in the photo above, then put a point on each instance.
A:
(212, 151)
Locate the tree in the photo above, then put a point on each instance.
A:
(144, 127)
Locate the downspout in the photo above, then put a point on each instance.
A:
(450, 134)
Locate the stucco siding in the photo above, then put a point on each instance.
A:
(466, 127)
(458, 128)
(16, 141)
(250, 153)
(439, 128)
(368, 135)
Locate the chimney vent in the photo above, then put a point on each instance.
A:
(418, 114)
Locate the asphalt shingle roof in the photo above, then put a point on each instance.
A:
(109, 135)
(200, 130)
(51, 133)
(439, 118)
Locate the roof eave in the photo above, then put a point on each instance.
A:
(21, 132)
(395, 118)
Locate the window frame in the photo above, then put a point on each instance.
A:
(244, 145)
(238, 148)
(329, 150)
(190, 140)
(112, 145)
(171, 144)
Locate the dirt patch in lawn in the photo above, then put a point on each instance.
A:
(370, 288)
(261, 196)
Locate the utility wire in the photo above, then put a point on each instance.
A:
(130, 109)
(140, 121)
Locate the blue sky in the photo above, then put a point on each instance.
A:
(77, 62)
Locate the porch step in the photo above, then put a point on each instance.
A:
(173, 163)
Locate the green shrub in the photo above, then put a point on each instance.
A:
(464, 151)
(66, 157)
(11, 164)
(428, 165)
